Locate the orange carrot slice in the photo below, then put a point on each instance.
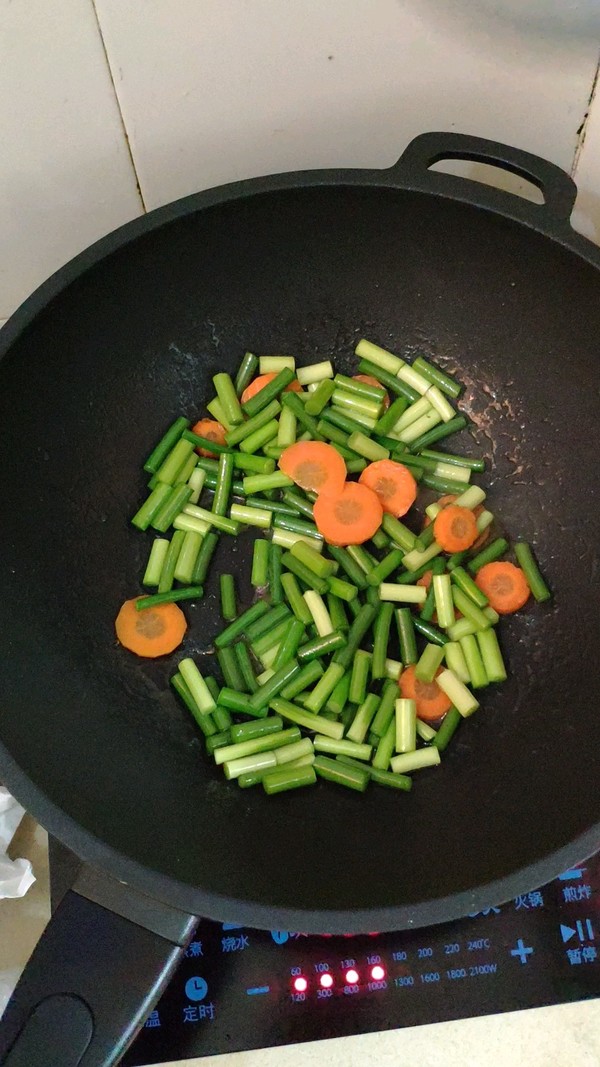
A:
(455, 528)
(350, 517)
(504, 585)
(314, 465)
(213, 431)
(449, 498)
(432, 703)
(151, 633)
(263, 379)
(393, 484)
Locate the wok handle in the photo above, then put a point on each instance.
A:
(94, 976)
(557, 188)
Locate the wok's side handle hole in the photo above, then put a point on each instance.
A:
(488, 174)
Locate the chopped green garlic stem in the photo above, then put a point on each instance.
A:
(407, 762)
(361, 722)
(292, 776)
(457, 692)
(406, 725)
(156, 559)
(444, 605)
(216, 409)
(265, 676)
(251, 516)
(470, 610)
(484, 520)
(356, 406)
(294, 751)
(318, 610)
(261, 483)
(198, 688)
(260, 761)
(438, 401)
(220, 522)
(273, 364)
(416, 381)
(429, 661)
(415, 559)
(411, 414)
(379, 356)
(342, 748)
(402, 594)
(186, 560)
(471, 498)
(393, 669)
(268, 657)
(432, 510)
(318, 697)
(533, 574)
(424, 731)
(196, 484)
(315, 372)
(461, 628)
(314, 723)
(286, 538)
(363, 445)
(266, 743)
(475, 666)
(455, 659)
(446, 470)
(419, 427)
(286, 433)
(491, 655)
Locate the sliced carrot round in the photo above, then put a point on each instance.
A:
(151, 633)
(504, 585)
(263, 379)
(213, 431)
(350, 517)
(449, 498)
(455, 528)
(369, 379)
(392, 483)
(314, 465)
(432, 703)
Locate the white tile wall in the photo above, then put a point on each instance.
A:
(586, 216)
(65, 173)
(212, 92)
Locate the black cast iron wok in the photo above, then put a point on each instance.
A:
(95, 365)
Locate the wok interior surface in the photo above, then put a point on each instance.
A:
(90, 386)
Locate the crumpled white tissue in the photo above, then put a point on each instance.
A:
(16, 876)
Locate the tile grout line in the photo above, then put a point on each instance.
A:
(582, 131)
(119, 108)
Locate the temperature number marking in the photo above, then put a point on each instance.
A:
(346, 965)
(451, 949)
(477, 946)
(423, 953)
(399, 957)
(321, 968)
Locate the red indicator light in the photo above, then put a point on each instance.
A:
(351, 977)
(377, 974)
(300, 985)
(326, 981)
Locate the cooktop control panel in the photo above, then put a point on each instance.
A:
(239, 988)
